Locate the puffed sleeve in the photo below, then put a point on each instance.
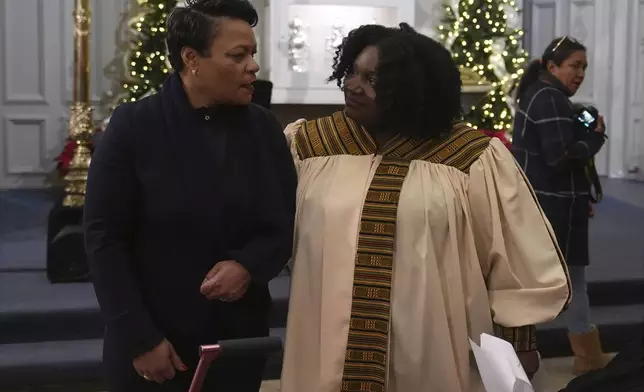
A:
(526, 276)
(290, 132)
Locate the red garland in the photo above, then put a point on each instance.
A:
(66, 156)
(499, 135)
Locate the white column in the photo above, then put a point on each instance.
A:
(600, 64)
(616, 113)
(634, 159)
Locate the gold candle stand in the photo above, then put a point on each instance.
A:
(81, 124)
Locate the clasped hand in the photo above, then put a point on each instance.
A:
(530, 361)
(601, 125)
(159, 364)
(227, 281)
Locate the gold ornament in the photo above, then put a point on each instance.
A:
(470, 77)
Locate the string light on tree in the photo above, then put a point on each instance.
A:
(485, 35)
(146, 62)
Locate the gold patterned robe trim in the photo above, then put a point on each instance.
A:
(522, 338)
(365, 367)
(339, 135)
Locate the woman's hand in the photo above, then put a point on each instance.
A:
(530, 361)
(591, 211)
(227, 281)
(601, 126)
(159, 364)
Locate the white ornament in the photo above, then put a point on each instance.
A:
(453, 5)
(334, 40)
(514, 18)
(298, 47)
(497, 61)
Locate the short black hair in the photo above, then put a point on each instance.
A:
(418, 84)
(195, 25)
(557, 51)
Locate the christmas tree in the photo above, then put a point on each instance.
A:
(145, 61)
(485, 36)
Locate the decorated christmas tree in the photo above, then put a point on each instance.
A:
(144, 62)
(485, 36)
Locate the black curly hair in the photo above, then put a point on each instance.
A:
(353, 44)
(418, 88)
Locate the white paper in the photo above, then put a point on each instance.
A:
(499, 366)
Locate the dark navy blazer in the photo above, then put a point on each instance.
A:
(171, 191)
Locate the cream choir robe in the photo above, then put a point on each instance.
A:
(470, 249)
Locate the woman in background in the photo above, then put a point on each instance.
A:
(413, 231)
(554, 155)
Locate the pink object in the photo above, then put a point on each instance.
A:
(207, 355)
(234, 347)
(499, 135)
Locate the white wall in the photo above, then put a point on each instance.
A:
(36, 57)
(428, 16)
(613, 31)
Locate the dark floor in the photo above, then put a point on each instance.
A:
(23, 229)
(631, 192)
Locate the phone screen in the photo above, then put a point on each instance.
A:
(586, 118)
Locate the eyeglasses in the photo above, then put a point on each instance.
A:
(565, 37)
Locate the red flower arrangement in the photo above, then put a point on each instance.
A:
(55, 178)
(499, 135)
(65, 158)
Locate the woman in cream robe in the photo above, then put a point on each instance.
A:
(471, 253)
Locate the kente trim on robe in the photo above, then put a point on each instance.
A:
(339, 135)
(523, 339)
(365, 363)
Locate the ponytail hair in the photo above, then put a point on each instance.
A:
(557, 52)
(530, 76)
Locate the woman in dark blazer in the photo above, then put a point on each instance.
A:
(555, 153)
(189, 210)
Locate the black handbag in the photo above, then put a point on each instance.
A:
(625, 373)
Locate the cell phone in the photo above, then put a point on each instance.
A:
(586, 118)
